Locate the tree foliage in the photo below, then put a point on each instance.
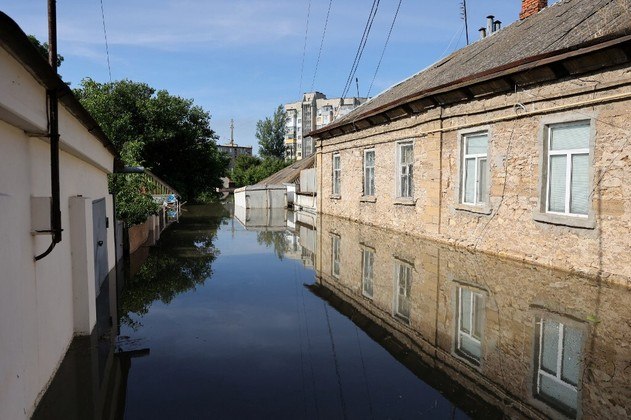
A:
(249, 170)
(165, 133)
(271, 135)
(43, 49)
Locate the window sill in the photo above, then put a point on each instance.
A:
(401, 201)
(368, 199)
(481, 209)
(335, 197)
(570, 221)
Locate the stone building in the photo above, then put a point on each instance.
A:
(500, 339)
(314, 111)
(517, 145)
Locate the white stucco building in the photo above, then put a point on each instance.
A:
(44, 303)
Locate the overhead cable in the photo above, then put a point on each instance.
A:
(304, 49)
(394, 19)
(362, 45)
(326, 21)
(107, 48)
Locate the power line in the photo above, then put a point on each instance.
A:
(304, 48)
(107, 48)
(326, 22)
(362, 45)
(394, 19)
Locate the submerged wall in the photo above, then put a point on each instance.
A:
(43, 304)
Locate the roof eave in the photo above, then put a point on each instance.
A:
(430, 97)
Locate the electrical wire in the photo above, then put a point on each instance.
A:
(326, 22)
(107, 48)
(304, 48)
(362, 45)
(394, 19)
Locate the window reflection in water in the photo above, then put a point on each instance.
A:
(470, 324)
(368, 262)
(403, 272)
(479, 330)
(558, 361)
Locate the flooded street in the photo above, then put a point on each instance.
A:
(237, 332)
(274, 314)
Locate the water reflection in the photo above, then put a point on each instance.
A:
(530, 341)
(181, 261)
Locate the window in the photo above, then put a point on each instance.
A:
(335, 256)
(474, 169)
(558, 361)
(405, 167)
(470, 324)
(368, 263)
(403, 282)
(337, 174)
(567, 181)
(369, 172)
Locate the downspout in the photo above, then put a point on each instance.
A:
(53, 134)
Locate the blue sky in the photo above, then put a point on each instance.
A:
(240, 59)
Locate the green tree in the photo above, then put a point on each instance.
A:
(271, 135)
(43, 49)
(249, 170)
(165, 133)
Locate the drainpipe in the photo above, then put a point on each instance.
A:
(53, 133)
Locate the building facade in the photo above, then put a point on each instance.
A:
(523, 155)
(45, 303)
(314, 111)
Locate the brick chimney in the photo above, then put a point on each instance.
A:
(531, 7)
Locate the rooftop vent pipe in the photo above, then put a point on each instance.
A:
(489, 24)
(482, 32)
(497, 25)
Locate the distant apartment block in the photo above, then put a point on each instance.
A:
(314, 111)
(232, 149)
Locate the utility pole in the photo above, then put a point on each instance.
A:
(466, 21)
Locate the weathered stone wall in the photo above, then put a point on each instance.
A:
(515, 123)
(514, 295)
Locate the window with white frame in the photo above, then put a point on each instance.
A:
(368, 263)
(475, 186)
(405, 169)
(567, 161)
(369, 172)
(337, 174)
(403, 283)
(335, 256)
(470, 324)
(558, 364)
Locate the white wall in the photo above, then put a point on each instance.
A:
(36, 298)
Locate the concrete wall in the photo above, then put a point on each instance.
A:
(514, 296)
(511, 224)
(38, 315)
(261, 197)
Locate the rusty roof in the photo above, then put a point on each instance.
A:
(289, 174)
(566, 26)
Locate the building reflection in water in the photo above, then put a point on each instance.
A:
(526, 340)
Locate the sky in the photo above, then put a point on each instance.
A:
(240, 59)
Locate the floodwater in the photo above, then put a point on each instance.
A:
(256, 314)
